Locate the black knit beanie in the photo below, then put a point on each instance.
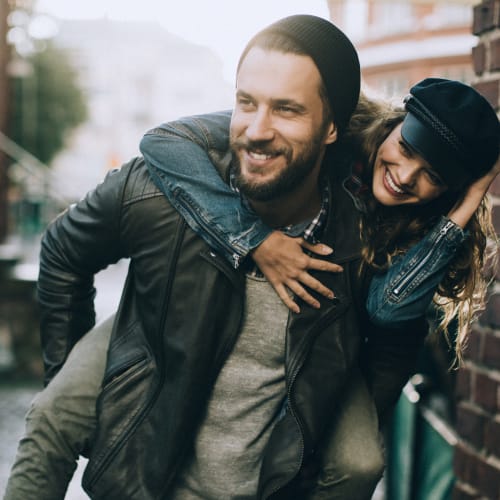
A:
(333, 53)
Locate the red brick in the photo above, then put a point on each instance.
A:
(495, 187)
(494, 55)
(484, 17)
(464, 464)
(472, 469)
(491, 351)
(489, 90)
(464, 492)
(479, 58)
(496, 217)
(492, 437)
(485, 392)
(463, 384)
(487, 480)
(471, 425)
(491, 316)
(474, 343)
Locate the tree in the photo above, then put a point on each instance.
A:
(47, 104)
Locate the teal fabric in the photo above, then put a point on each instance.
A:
(420, 461)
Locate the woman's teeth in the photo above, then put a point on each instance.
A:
(393, 186)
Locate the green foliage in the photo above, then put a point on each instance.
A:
(47, 104)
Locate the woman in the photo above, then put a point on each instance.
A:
(426, 221)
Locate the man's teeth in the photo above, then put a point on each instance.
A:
(392, 185)
(259, 156)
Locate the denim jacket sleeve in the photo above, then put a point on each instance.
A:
(180, 156)
(404, 292)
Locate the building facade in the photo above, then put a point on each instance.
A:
(403, 41)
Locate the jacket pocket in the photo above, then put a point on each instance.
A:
(121, 407)
(126, 354)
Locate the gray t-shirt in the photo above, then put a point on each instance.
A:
(246, 401)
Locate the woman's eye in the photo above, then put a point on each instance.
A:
(434, 178)
(405, 150)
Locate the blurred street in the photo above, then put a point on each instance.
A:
(15, 398)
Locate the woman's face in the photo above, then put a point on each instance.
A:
(401, 177)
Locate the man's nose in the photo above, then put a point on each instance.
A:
(260, 127)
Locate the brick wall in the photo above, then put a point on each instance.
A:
(477, 456)
(4, 100)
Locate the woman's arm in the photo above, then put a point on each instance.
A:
(465, 208)
(405, 291)
(182, 157)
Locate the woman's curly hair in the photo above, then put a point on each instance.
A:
(390, 231)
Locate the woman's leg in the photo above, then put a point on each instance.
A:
(353, 459)
(61, 422)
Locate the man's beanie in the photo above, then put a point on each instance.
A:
(334, 55)
(453, 128)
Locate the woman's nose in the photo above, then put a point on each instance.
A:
(407, 174)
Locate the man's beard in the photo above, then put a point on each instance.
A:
(288, 180)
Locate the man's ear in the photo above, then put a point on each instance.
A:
(331, 133)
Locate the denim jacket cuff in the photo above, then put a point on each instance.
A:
(454, 234)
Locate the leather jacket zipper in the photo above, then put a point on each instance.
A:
(145, 410)
(236, 258)
(328, 318)
(402, 284)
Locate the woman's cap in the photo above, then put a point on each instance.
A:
(453, 127)
(334, 56)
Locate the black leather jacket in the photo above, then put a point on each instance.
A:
(179, 317)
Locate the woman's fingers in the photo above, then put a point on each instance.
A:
(286, 298)
(324, 265)
(299, 291)
(319, 248)
(307, 280)
(285, 265)
(296, 286)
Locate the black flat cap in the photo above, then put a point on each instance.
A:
(453, 128)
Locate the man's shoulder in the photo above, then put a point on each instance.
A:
(138, 184)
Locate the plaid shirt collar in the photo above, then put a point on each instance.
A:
(310, 230)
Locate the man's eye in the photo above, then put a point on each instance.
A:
(286, 109)
(244, 103)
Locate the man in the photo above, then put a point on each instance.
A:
(212, 389)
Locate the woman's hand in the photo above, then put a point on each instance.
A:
(283, 262)
(474, 194)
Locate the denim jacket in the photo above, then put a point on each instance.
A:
(216, 212)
